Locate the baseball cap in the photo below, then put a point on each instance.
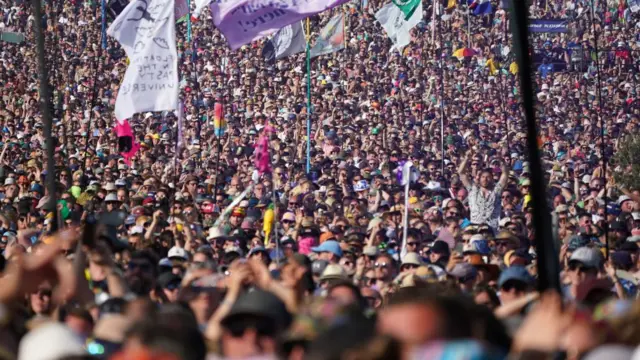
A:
(169, 279)
(259, 303)
(330, 246)
(622, 199)
(440, 247)
(177, 252)
(516, 272)
(111, 197)
(318, 266)
(464, 271)
(588, 257)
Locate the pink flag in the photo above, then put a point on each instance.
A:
(243, 21)
(127, 146)
(263, 162)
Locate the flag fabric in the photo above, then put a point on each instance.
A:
(394, 24)
(481, 7)
(200, 5)
(115, 7)
(219, 124)
(262, 159)
(146, 32)
(408, 7)
(127, 145)
(181, 10)
(451, 4)
(331, 37)
(289, 40)
(243, 21)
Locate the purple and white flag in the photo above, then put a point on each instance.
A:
(243, 21)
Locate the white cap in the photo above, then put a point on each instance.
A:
(50, 342)
(176, 252)
(9, 181)
(622, 199)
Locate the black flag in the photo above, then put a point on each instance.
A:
(288, 41)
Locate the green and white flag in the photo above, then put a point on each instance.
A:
(408, 7)
(396, 26)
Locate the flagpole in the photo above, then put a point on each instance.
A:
(188, 20)
(468, 27)
(548, 267)
(308, 167)
(441, 102)
(104, 23)
(46, 114)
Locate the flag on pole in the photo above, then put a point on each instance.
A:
(408, 7)
(200, 5)
(394, 24)
(331, 38)
(243, 21)
(219, 124)
(262, 158)
(181, 10)
(289, 40)
(127, 145)
(146, 32)
(481, 7)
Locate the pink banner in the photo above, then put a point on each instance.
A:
(243, 21)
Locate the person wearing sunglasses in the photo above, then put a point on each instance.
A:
(514, 283)
(583, 267)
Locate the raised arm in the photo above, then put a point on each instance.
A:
(504, 177)
(462, 171)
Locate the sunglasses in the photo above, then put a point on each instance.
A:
(380, 265)
(579, 268)
(514, 285)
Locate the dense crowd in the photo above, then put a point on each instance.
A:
(188, 253)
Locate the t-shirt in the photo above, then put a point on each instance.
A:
(485, 209)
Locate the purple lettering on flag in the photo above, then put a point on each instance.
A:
(244, 21)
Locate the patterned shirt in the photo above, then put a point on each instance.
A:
(485, 209)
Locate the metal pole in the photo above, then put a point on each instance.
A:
(468, 27)
(308, 168)
(46, 110)
(602, 125)
(548, 267)
(104, 23)
(188, 21)
(441, 103)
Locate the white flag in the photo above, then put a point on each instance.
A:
(406, 172)
(393, 22)
(146, 31)
(200, 5)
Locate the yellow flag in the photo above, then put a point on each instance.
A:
(513, 68)
(451, 4)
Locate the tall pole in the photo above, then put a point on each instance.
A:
(602, 123)
(103, 6)
(441, 101)
(45, 108)
(468, 27)
(548, 267)
(189, 21)
(308, 167)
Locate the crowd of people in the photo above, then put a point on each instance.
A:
(190, 253)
